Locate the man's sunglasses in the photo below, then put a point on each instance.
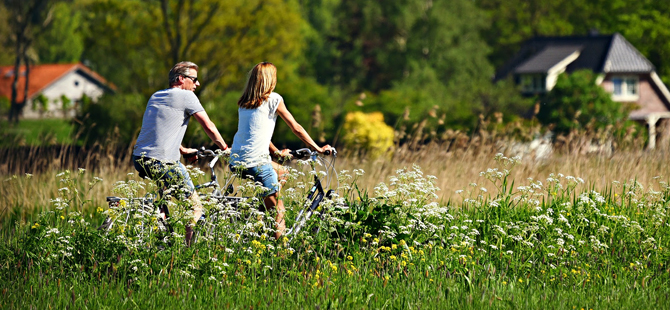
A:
(193, 78)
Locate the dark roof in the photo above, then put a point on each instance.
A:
(624, 57)
(599, 53)
(547, 58)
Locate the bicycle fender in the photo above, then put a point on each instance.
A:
(316, 201)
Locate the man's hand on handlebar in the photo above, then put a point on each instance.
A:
(191, 155)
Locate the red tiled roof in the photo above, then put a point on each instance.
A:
(41, 76)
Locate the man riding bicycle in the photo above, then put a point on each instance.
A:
(157, 151)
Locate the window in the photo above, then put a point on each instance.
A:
(76, 83)
(625, 87)
(533, 83)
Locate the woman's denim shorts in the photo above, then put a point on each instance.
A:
(264, 174)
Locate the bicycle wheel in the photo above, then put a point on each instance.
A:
(219, 221)
(136, 223)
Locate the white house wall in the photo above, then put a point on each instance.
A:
(73, 85)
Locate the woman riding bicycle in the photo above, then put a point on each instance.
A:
(250, 153)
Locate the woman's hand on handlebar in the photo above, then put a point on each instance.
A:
(285, 153)
(282, 156)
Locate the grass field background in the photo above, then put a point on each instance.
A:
(46, 131)
(570, 232)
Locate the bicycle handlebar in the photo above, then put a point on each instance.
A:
(305, 152)
(202, 153)
(299, 153)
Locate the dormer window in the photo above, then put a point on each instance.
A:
(625, 88)
(533, 83)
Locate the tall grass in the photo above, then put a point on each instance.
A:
(550, 243)
(455, 169)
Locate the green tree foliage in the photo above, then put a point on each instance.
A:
(427, 56)
(646, 24)
(115, 117)
(135, 43)
(63, 41)
(40, 103)
(515, 21)
(6, 51)
(414, 60)
(577, 100)
(370, 45)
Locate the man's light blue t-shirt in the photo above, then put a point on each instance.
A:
(164, 123)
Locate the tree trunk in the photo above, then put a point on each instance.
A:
(26, 61)
(13, 116)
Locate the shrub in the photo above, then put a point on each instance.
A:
(119, 114)
(368, 132)
(577, 100)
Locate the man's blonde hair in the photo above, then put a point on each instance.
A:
(260, 83)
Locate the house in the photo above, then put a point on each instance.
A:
(53, 82)
(622, 71)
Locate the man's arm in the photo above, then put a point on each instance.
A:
(210, 129)
(185, 150)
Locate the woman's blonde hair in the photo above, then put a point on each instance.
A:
(260, 83)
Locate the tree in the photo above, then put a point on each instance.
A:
(6, 51)
(369, 45)
(514, 21)
(63, 41)
(577, 100)
(27, 19)
(410, 53)
(135, 43)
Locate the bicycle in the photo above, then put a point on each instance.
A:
(132, 214)
(228, 212)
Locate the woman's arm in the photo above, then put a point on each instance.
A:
(210, 129)
(297, 129)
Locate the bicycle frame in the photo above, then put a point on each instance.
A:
(314, 197)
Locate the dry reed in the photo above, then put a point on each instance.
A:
(455, 158)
